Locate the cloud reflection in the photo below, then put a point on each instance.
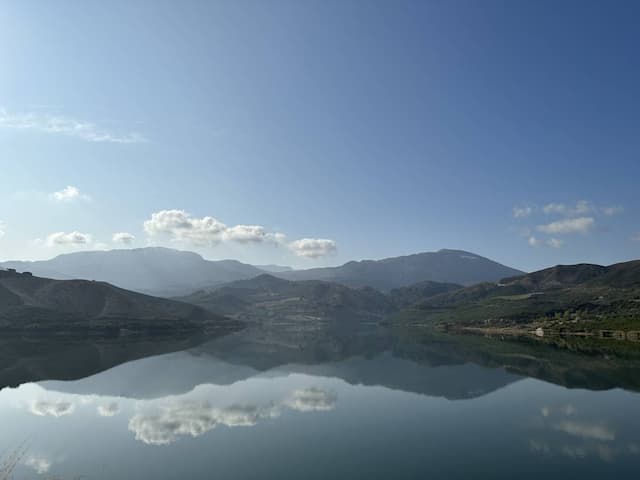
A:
(40, 464)
(577, 438)
(109, 409)
(311, 399)
(188, 418)
(586, 430)
(193, 419)
(52, 408)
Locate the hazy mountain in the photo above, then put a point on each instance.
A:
(268, 296)
(155, 270)
(40, 305)
(168, 272)
(449, 266)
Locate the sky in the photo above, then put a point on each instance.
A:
(311, 133)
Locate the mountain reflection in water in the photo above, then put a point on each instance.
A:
(331, 402)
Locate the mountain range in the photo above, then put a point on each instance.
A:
(566, 297)
(449, 266)
(580, 297)
(167, 272)
(154, 270)
(267, 297)
(36, 305)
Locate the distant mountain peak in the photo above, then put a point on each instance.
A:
(156, 270)
(445, 265)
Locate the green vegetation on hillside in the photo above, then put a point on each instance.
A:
(576, 298)
(267, 297)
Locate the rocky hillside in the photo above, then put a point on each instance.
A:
(268, 296)
(29, 303)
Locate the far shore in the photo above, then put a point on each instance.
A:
(541, 332)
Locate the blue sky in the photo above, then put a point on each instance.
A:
(368, 129)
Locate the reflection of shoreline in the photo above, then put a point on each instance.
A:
(539, 332)
(570, 361)
(33, 359)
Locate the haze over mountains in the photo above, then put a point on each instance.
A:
(40, 305)
(155, 270)
(449, 266)
(168, 272)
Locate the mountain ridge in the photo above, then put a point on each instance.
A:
(443, 266)
(580, 297)
(153, 270)
(167, 272)
(268, 296)
(42, 305)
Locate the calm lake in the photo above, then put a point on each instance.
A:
(263, 404)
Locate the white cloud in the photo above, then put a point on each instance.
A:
(2, 229)
(109, 409)
(635, 238)
(522, 212)
(311, 400)
(181, 226)
(245, 233)
(68, 194)
(582, 207)
(51, 124)
(578, 218)
(253, 234)
(72, 238)
(123, 237)
(40, 464)
(313, 247)
(569, 225)
(52, 408)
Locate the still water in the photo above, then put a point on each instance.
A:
(262, 406)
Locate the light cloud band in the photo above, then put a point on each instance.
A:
(60, 125)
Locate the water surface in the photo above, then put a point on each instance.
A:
(256, 405)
